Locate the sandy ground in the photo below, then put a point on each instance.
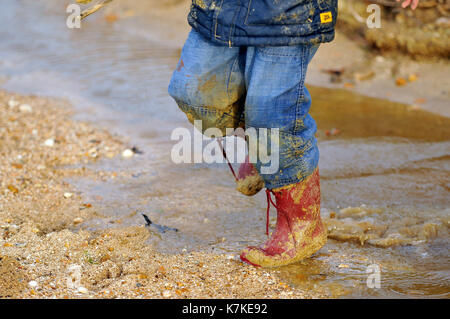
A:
(41, 254)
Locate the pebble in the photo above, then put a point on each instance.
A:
(93, 152)
(82, 290)
(127, 153)
(379, 59)
(50, 142)
(78, 220)
(12, 103)
(33, 284)
(25, 108)
(400, 81)
(412, 78)
(68, 195)
(166, 294)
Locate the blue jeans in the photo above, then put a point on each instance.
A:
(252, 87)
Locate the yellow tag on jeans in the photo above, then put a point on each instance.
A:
(326, 17)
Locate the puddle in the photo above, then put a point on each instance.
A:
(388, 162)
(357, 116)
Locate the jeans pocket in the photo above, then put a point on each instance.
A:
(282, 54)
(284, 12)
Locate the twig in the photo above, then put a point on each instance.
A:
(94, 8)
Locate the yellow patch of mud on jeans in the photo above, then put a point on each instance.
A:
(250, 185)
(200, 3)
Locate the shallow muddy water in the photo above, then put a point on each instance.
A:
(388, 162)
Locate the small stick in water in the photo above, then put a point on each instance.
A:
(160, 228)
(147, 220)
(94, 8)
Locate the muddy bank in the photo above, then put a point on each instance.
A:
(43, 255)
(422, 33)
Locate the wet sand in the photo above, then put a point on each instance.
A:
(40, 248)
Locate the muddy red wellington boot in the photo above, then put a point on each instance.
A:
(299, 231)
(248, 180)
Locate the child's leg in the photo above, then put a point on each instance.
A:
(277, 98)
(208, 83)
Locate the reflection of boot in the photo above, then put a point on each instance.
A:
(248, 180)
(299, 232)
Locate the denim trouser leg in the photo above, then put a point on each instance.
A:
(277, 98)
(263, 86)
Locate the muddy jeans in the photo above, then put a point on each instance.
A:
(251, 87)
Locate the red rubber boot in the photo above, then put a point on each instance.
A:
(299, 232)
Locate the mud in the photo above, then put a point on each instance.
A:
(250, 185)
(384, 228)
(420, 33)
